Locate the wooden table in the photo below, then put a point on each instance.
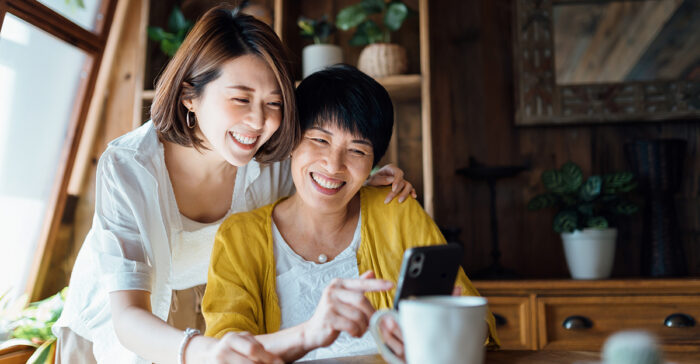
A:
(524, 357)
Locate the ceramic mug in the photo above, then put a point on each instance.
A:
(437, 329)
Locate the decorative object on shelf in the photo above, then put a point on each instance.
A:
(578, 61)
(491, 174)
(319, 55)
(170, 40)
(658, 164)
(632, 347)
(30, 325)
(586, 216)
(380, 57)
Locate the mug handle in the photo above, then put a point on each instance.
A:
(384, 350)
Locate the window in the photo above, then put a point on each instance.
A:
(48, 67)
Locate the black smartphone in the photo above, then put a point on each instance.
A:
(427, 271)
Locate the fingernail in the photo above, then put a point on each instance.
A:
(387, 200)
(402, 199)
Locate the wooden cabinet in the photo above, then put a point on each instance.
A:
(580, 315)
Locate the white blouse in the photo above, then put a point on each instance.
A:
(300, 285)
(136, 220)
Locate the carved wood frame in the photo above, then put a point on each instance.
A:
(539, 100)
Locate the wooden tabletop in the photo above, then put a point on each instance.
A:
(524, 357)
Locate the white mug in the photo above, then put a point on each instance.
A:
(437, 329)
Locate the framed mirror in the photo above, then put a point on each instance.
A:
(592, 61)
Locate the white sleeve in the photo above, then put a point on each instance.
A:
(118, 240)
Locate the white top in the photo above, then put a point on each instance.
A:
(300, 284)
(136, 220)
(191, 250)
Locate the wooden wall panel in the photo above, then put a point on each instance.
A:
(473, 116)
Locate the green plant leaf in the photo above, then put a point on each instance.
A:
(350, 17)
(586, 209)
(597, 222)
(616, 182)
(553, 181)
(157, 34)
(169, 47)
(572, 176)
(625, 208)
(358, 39)
(591, 189)
(176, 20)
(42, 354)
(565, 221)
(373, 6)
(542, 201)
(367, 32)
(395, 15)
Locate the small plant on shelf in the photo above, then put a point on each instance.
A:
(594, 203)
(170, 40)
(319, 30)
(587, 212)
(380, 57)
(320, 54)
(392, 15)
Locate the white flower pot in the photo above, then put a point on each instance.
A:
(590, 253)
(315, 57)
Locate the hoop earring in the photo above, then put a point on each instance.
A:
(191, 126)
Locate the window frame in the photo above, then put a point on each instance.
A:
(93, 43)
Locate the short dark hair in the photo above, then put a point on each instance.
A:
(221, 34)
(345, 97)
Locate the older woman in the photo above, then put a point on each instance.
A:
(290, 272)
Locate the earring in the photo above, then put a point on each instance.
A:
(191, 126)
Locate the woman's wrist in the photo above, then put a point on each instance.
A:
(196, 349)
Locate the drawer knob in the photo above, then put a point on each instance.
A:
(679, 320)
(577, 323)
(500, 320)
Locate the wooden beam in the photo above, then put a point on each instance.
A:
(84, 154)
(426, 111)
(57, 201)
(42, 17)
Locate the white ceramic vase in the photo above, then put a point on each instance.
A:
(590, 252)
(316, 57)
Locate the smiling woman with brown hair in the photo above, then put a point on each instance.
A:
(224, 122)
(306, 273)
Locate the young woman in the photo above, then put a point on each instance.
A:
(292, 272)
(223, 124)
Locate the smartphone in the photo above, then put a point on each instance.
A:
(427, 271)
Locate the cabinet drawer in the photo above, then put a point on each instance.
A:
(583, 323)
(513, 322)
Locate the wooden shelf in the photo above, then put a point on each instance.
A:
(400, 87)
(147, 95)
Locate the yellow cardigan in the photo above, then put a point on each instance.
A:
(241, 289)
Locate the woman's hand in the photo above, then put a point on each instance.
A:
(343, 307)
(232, 348)
(391, 332)
(392, 175)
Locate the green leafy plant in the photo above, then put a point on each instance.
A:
(170, 40)
(31, 324)
(318, 30)
(593, 203)
(392, 15)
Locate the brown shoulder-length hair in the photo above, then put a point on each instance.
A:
(221, 34)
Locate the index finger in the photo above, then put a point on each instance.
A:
(366, 284)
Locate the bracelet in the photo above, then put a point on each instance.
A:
(189, 334)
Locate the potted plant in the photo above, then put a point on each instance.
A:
(171, 39)
(380, 57)
(320, 54)
(586, 215)
(30, 325)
